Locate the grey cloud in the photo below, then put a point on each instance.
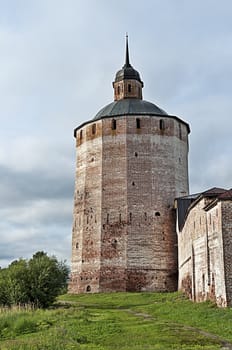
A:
(58, 60)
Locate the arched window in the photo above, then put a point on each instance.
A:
(118, 89)
(94, 129)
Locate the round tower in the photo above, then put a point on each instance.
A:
(132, 162)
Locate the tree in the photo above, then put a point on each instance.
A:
(47, 278)
(38, 281)
(17, 282)
(4, 299)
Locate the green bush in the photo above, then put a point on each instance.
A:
(37, 281)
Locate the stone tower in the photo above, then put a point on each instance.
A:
(132, 162)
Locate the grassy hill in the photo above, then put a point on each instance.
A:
(138, 321)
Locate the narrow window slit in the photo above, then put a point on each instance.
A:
(161, 124)
(138, 123)
(113, 124)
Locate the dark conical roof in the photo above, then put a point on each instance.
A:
(129, 106)
(127, 71)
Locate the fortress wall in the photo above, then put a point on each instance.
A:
(127, 178)
(114, 206)
(203, 249)
(226, 212)
(86, 239)
(152, 169)
(216, 279)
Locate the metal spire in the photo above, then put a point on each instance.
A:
(127, 61)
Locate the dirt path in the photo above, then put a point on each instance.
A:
(224, 343)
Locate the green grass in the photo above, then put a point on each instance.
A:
(120, 321)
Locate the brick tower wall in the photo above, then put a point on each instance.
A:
(86, 235)
(131, 172)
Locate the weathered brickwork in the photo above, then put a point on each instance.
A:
(124, 223)
(131, 165)
(204, 251)
(226, 209)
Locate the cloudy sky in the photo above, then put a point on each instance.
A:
(58, 59)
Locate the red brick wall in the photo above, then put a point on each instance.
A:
(129, 178)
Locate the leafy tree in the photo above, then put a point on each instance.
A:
(36, 281)
(47, 278)
(17, 282)
(4, 299)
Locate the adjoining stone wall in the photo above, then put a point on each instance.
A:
(192, 254)
(128, 175)
(202, 254)
(226, 210)
(217, 290)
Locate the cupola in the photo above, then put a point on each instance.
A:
(128, 83)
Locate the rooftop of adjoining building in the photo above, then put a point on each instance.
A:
(186, 203)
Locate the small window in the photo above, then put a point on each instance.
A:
(157, 213)
(114, 243)
(130, 216)
(77, 245)
(145, 216)
(137, 123)
(161, 124)
(94, 129)
(113, 124)
(180, 132)
(136, 154)
(213, 278)
(129, 87)
(120, 218)
(118, 89)
(108, 218)
(81, 135)
(88, 289)
(133, 184)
